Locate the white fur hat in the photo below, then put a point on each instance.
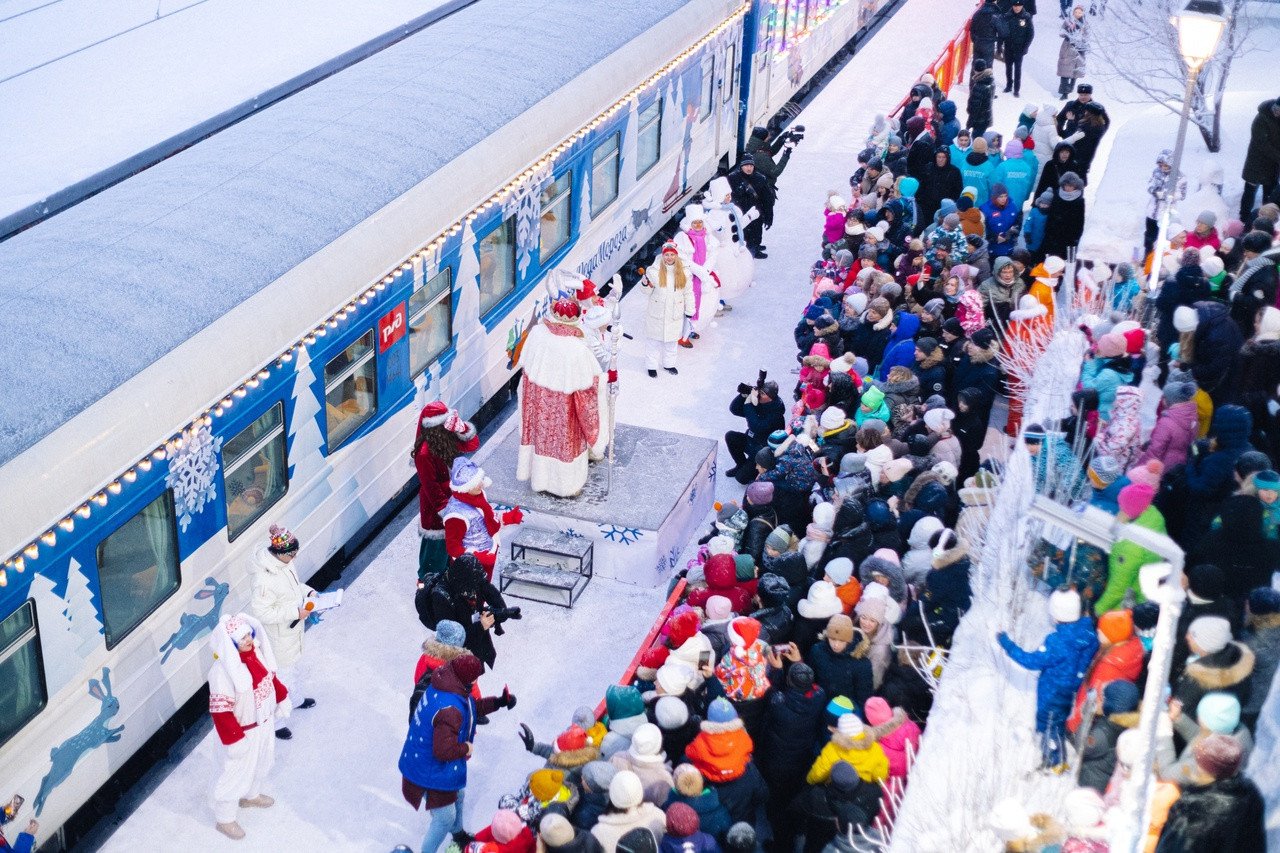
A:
(674, 678)
(1054, 264)
(1064, 605)
(647, 740)
(626, 791)
(720, 545)
(824, 514)
(821, 602)
(1185, 318)
(833, 417)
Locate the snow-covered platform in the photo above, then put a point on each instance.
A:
(663, 487)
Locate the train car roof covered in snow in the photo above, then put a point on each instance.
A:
(325, 189)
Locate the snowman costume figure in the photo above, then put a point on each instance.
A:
(735, 265)
(698, 249)
(245, 698)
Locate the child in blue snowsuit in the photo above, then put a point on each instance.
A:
(1063, 659)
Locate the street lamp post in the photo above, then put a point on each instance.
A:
(1200, 25)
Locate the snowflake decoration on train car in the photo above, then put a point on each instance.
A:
(193, 473)
(625, 535)
(525, 204)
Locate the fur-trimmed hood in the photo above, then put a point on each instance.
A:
(924, 479)
(833, 329)
(982, 356)
(933, 359)
(951, 555)
(720, 728)
(572, 758)
(817, 361)
(1237, 665)
(441, 651)
(867, 740)
(1264, 622)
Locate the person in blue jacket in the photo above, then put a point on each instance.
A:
(1033, 230)
(1002, 217)
(901, 348)
(442, 732)
(1062, 660)
(24, 843)
(1017, 173)
(950, 125)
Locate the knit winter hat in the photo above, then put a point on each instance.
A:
(669, 712)
(760, 492)
(1013, 148)
(626, 790)
(813, 312)
(682, 820)
(965, 202)
(1103, 471)
(574, 737)
(468, 668)
(1206, 581)
(1111, 345)
(555, 830)
(505, 826)
(719, 608)
(951, 221)
(1212, 266)
(840, 570)
(1264, 601)
(773, 590)
(1208, 217)
(840, 628)
(1116, 625)
(851, 726)
(953, 327)
(545, 784)
(1145, 616)
(741, 838)
(688, 779)
(833, 417)
(674, 678)
(720, 545)
(450, 633)
(800, 676)
(598, 774)
(877, 711)
(1045, 198)
(1084, 808)
(1219, 755)
(623, 702)
(1190, 258)
(998, 189)
(721, 710)
(1219, 712)
(1179, 392)
(1185, 318)
(928, 345)
(821, 602)
(1120, 697)
(1269, 324)
(938, 419)
(1211, 633)
(980, 146)
(1070, 179)
(779, 540)
(1135, 498)
(647, 740)
(1064, 605)
(1148, 474)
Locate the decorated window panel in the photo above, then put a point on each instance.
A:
(22, 687)
(497, 265)
(556, 217)
(731, 70)
(604, 173)
(138, 568)
(430, 321)
(255, 470)
(350, 389)
(649, 139)
(706, 99)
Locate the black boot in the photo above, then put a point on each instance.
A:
(672, 371)
(284, 733)
(307, 703)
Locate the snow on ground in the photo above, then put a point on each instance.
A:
(78, 78)
(336, 782)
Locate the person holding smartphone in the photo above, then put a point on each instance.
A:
(279, 603)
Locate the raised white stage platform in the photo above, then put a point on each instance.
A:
(663, 488)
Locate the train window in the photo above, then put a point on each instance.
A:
(138, 568)
(649, 139)
(22, 688)
(497, 265)
(350, 390)
(255, 470)
(430, 321)
(557, 216)
(731, 69)
(707, 100)
(604, 174)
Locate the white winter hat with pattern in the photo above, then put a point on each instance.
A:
(1064, 605)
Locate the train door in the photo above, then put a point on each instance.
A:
(727, 98)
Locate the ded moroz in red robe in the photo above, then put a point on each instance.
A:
(563, 406)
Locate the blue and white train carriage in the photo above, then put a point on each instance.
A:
(244, 333)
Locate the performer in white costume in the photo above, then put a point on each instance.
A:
(670, 306)
(563, 404)
(734, 265)
(698, 249)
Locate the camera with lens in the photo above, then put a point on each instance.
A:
(502, 614)
(794, 135)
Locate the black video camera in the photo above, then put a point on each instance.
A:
(744, 389)
(502, 614)
(794, 134)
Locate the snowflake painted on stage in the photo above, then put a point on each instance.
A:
(625, 535)
(193, 471)
(525, 204)
(569, 531)
(693, 493)
(668, 563)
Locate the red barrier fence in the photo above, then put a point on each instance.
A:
(630, 671)
(950, 65)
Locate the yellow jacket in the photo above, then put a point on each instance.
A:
(866, 756)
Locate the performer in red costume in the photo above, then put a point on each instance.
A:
(442, 436)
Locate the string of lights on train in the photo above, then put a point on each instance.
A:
(174, 443)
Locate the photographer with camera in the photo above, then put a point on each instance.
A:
(763, 148)
(753, 188)
(764, 412)
(464, 595)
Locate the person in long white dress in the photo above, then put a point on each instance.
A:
(671, 305)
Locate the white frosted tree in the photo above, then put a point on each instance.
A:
(307, 462)
(59, 644)
(1136, 43)
(85, 624)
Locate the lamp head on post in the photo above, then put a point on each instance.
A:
(1200, 25)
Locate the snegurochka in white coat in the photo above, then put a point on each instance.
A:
(671, 303)
(279, 600)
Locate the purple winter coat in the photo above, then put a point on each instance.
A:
(1171, 440)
